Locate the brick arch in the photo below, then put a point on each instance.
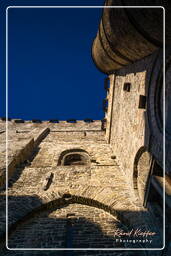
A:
(84, 156)
(141, 172)
(63, 202)
(53, 201)
(32, 221)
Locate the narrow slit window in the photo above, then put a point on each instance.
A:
(142, 101)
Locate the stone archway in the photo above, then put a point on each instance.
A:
(68, 222)
(73, 226)
(141, 173)
(72, 222)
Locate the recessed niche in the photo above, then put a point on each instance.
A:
(142, 101)
(127, 87)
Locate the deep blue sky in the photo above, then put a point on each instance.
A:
(51, 72)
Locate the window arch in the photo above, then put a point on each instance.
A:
(141, 172)
(75, 157)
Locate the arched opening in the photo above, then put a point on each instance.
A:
(141, 173)
(75, 157)
(67, 222)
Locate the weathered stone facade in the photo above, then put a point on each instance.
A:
(132, 132)
(87, 185)
(42, 191)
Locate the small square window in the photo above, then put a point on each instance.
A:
(127, 87)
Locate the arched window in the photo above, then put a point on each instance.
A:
(141, 172)
(74, 157)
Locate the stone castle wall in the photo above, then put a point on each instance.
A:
(95, 194)
(126, 123)
(133, 116)
(55, 204)
(23, 138)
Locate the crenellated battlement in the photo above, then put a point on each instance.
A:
(72, 124)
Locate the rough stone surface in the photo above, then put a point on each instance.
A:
(97, 192)
(129, 127)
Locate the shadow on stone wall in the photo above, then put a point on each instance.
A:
(19, 169)
(31, 227)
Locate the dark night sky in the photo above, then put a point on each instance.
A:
(51, 72)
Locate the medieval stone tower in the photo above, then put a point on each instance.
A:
(95, 184)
